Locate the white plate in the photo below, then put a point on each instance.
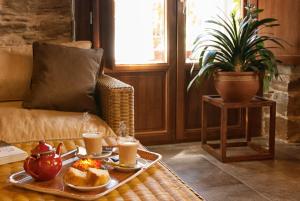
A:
(81, 153)
(87, 188)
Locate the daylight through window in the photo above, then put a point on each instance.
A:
(140, 31)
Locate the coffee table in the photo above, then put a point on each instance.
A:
(156, 183)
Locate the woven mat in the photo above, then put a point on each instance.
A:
(156, 183)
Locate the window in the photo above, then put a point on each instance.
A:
(140, 27)
(197, 12)
(140, 35)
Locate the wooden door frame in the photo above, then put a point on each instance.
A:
(181, 67)
(166, 134)
(182, 133)
(174, 71)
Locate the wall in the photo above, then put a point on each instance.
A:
(286, 92)
(25, 21)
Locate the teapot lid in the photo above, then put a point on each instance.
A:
(42, 148)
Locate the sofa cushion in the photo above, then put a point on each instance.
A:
(64, 78)
(21, 125)
(78, 44)
(16, 69)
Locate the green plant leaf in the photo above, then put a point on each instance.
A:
(233, 45)
(203, 70)
(209, 57)
(200, 60)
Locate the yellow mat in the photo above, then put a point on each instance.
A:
(156, 183)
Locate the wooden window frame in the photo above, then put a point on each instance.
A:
(104, 35)
(106, 38)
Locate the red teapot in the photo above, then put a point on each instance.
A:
(44, 163)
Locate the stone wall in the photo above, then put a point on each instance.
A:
(25, 21)
(286, 92)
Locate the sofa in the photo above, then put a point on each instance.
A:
(17, 124)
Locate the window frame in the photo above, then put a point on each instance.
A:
(107, 35)
(107, 39)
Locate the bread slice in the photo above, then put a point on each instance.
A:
(76, 177)
(97, 177)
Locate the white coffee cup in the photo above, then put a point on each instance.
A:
(127, 151)
(93, 143)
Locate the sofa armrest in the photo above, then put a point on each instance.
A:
(116, 103)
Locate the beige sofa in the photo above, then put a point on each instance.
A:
(17, 124)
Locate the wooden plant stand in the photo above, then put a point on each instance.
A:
(218, 150)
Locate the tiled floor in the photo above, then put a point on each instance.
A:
(269, 180)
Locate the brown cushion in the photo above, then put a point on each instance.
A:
(15, 72)
(16, 68)
(64, 78)
(79, 44)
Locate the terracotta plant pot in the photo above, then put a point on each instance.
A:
(236, 86)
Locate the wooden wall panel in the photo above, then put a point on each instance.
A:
(82, 16)
(150, 99)
(96, 23)
(193, 101)
(288, 14)
(153, 105)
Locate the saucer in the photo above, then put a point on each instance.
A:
(81, 153)
(140, 163)
(120, 168)
(87, 188)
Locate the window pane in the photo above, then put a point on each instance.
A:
(140, 31)
(198, 12)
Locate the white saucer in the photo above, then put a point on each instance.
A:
(81, 153)
(87, 188)
(128, 169)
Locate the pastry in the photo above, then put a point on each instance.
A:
(76, 177)
(91, 177)
(97, 177)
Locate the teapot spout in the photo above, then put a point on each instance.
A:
(58, 149)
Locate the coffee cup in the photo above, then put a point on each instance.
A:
(127, 151)
(93, 143)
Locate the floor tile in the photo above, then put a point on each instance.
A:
(275, 180)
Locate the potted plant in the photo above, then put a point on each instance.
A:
(234, 52)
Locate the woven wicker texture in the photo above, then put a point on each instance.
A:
(116, 103)
(157, 183)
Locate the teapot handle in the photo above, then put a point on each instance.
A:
(58, 149)
(27, 169)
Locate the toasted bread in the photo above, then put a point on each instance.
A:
(76, 177)
(97, 177)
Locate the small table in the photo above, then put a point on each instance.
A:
(261, 152)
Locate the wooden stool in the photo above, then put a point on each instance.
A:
(262, 153)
